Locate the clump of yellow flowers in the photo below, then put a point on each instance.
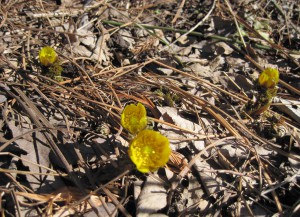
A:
(148, 150)
(49, 60)
(266, 85)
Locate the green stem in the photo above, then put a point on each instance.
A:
(217, 37)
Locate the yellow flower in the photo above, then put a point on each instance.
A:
(47, 56)
(134, 118)
(149, 150)
(269, 78)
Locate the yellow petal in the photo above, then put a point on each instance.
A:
(134, 118)
(149, 150)
(269, 78)
(47, 56)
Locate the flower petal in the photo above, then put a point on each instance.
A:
(134, 118)
(149, 150)
(269, 78)
(47, 56)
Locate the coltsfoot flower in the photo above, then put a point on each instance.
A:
(47, 56)
(134, 118)
(269, 78)
(149, 150)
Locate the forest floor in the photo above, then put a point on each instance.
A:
(193, 64)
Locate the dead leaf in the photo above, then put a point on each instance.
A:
(223, 48)
(211, 186)
(216, 63)
(33, 148)
(171, 115)
(177, 162)
(182, 39)
(233, 151)
(290, 107)
(195, 191)
(153, 197)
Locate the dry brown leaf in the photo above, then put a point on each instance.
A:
(171, 115)
(153, 197)
(211, 186)
(290, 107)
(177, 162)
(33, 148)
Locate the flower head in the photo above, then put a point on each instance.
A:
(134, 118)
(149, 150)
(47, 56)
(268, 78)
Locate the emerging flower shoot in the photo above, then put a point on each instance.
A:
(269, 78)
(267, 89)
(134, 118)
(47, 56)
(149, 150)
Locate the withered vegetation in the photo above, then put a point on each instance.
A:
(193, 64)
